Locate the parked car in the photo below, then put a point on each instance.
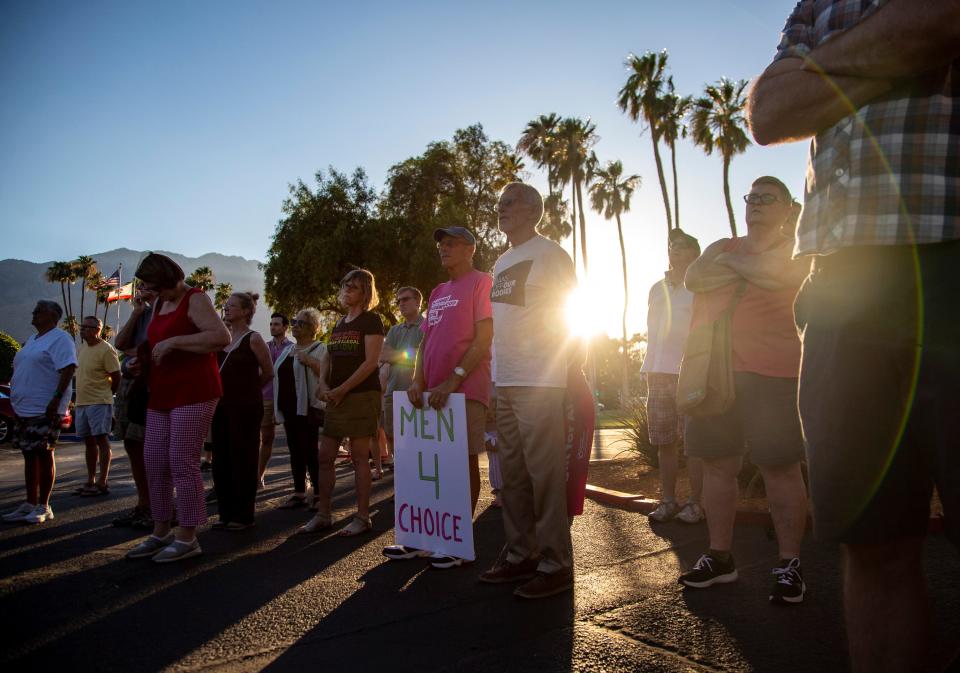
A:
(6, 415)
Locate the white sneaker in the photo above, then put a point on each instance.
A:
(665, 511)
(40, 514)
(20, 513)
(691, 512)
(442, 561)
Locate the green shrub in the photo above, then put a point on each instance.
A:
(8, 350)
(637, 440)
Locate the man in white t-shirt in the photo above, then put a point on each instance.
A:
(532, 281)
(669, 309)
(40, 393)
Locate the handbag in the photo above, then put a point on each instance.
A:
(705, 386)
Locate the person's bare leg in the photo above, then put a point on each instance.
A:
(669, 466)
(787, 497)
(374, 453)
(47, 471)
(106, 458)
(326, 475)
(720, 499)
(360, 448)
(31, 476)
(267, 434)
(134, 449)
(695, 477)
(886, 605)
(90, 454)
(474, 482)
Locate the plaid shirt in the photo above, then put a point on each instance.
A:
(890, 173)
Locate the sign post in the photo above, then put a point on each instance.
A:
(431, 477)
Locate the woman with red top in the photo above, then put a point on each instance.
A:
(183, 335)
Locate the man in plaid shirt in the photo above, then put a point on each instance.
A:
(876, 84)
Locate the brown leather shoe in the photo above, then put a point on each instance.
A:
(504, 572)
(546, 584)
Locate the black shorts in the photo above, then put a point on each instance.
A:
(762, 421)
(879, 382)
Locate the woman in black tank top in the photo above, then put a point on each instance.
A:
(245, 366)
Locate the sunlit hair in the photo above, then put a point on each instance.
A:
(159, 270)
(530, 197)
(51, 306)
(367, 285)
(775, 182)
(311, 316)
(412, 290)
(248, 302)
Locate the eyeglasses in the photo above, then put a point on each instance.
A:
(350, 288)
(299, 323)
(400, 300)
(765, 199)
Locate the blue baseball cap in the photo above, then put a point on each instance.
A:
(456, 232)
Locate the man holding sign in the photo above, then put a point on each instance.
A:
(454, 356)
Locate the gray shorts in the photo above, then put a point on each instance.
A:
(762, 421)
(93, 420)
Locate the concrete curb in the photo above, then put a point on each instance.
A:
(644, 505)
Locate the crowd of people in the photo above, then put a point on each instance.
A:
(848, 363)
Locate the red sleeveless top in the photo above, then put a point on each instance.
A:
(181, 378)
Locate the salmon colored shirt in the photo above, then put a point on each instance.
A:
(763, 331)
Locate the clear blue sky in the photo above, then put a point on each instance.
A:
(179, 125)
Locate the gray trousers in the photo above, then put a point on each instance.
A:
(533, 459)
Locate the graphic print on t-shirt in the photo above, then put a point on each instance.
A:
(437, 307)
(346, 342)
(509, 287)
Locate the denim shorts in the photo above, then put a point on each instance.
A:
(878, 390)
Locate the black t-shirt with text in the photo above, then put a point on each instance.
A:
(347, 350)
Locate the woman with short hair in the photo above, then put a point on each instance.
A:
(353, 398)
(296, 405)
(245, 367)
(184, 333)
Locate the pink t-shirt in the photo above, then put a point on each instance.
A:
(452, 311)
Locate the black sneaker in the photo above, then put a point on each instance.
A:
(130, 519)
(788, 584)
(709, 571)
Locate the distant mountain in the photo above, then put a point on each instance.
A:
(23, 283)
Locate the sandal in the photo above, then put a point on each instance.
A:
(294, 502)
(80, 490)
(320, 522)
(95, 490)
(358, 526)
(376, 474)
(314, 504)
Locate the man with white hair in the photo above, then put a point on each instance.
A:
(532, 280)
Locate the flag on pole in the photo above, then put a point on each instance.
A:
(124, 292)
(112, 281)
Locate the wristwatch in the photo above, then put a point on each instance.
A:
(460, 371)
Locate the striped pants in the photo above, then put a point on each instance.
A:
(171, 452)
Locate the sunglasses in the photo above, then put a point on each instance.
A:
(765, 199)
(299, 323)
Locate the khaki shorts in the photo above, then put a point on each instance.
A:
(269, 419)
(358, 415)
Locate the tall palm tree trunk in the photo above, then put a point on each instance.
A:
(676, 188)
(583, 228)
(63, 293)
(726, 195)
(573, 220)
(663, 180)
(625, 385)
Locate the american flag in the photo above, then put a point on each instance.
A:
(113, 280)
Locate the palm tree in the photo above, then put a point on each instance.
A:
(94, 283)
(641, 98)
(221, 294)
(610, 195)
(675, 110)
(539, 142)
(203, 278)
(512, 166)
(61, 272)
(575, 138)
(717, 122)
(85, 267)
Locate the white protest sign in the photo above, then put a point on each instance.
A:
(431, 477)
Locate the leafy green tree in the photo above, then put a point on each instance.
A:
(70, 325)
(641, 98)
(8, 350)
(63, 273)
(675, 111)
(717, 122)
(203, 278)
(85, 267)
(221, 293)
(610, 195)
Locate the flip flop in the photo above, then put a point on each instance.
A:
(95, 491)
(80, 490)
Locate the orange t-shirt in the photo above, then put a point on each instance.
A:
(763, 330)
